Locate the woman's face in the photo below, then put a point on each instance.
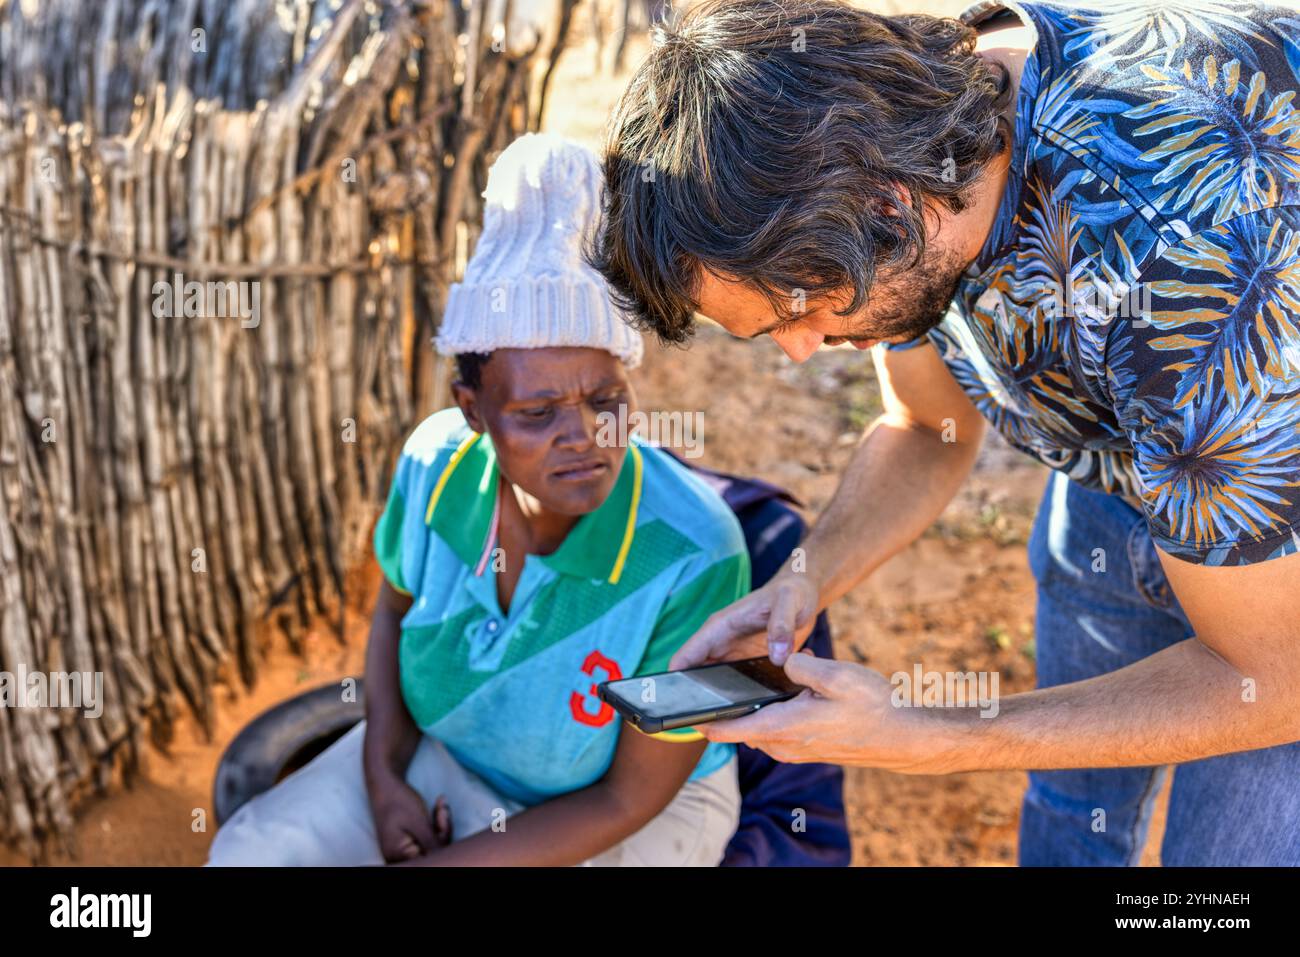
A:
(541, 408)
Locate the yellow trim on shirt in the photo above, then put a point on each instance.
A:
(630, 529)
(686, 738)
(456, 456)
(677, 735)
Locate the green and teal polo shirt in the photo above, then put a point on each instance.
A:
(512, 694)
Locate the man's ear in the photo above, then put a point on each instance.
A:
(467, 399)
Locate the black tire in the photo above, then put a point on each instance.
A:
(279, 741)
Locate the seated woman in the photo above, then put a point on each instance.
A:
(526, 559)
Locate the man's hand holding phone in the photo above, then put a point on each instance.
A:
(845, 715)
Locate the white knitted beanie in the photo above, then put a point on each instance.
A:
(527, 285)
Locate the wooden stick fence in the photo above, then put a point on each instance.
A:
(176, 468)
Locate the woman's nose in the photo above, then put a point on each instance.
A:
(579, 426)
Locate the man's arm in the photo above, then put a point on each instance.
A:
(1233, 687)
(908, 466)
(645, 776)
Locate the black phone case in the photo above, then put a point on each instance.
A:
(649, 725)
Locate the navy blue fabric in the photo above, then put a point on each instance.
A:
(772, 793)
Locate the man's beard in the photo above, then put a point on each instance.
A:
(919, 299)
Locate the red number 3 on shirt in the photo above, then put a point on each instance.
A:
(577, 702)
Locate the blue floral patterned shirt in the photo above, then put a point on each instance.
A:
(1134, 317)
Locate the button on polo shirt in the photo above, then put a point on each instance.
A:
(512, 694)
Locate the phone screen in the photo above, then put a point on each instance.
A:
(703, 689)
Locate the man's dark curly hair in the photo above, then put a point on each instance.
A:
(792, 144)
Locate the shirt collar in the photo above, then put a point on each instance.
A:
(461, 504)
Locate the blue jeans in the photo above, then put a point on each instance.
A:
(1103, 603)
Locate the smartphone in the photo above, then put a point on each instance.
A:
(683, 699)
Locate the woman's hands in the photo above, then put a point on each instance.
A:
(405, 828)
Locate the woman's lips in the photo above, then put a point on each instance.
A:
(580, 471)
